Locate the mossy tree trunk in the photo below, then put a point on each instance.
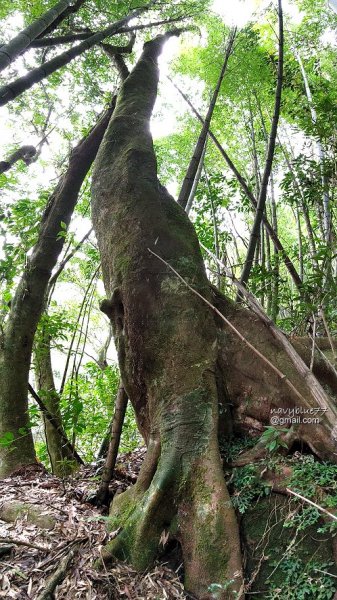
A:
(61, 458)
(260, 397)
(18, 331)
(178, 362)
(167, 347)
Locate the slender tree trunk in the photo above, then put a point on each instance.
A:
(15, 88)
(276, 240)
(29, 302)
(115, 437)
(102, 355)
(61, 457)
(192, 170)
(321, 154)
(10, 51)
(276, 267)
(269, 287)
(263, 265)
(300, 244)
(196, 180)
(261, 203)
(215, 229)
(167, 349)
(303, 206)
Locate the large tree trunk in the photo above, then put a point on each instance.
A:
(17, 335)
(177, 358)
(167, 346)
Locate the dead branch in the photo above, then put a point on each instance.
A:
(17, 542)
(59, 575)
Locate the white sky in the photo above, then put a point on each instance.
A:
(239, 12)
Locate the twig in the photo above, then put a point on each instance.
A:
(6, 540)
(331, 515)
(61, 550)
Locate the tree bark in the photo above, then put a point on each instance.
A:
(61, 457)
(16, 340)
(167, 349)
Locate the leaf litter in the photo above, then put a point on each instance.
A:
(30, 554)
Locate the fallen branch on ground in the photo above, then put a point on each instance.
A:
(23, 543)
(57, 578)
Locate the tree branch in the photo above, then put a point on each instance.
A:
(10, 51)
(25, 153)
(16, 88)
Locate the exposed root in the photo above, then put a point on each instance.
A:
(199, 516)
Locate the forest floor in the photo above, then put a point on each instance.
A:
(62, 527)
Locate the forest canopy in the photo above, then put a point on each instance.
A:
(168, 286)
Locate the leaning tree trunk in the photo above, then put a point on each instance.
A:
(167, 347)
(9, 51)
(61, 457)
(17, 335)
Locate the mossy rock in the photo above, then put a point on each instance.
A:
(285, 562)
(12, 510)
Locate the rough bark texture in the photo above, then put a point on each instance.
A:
(16, 339)
(167, 346)
(255, 390)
